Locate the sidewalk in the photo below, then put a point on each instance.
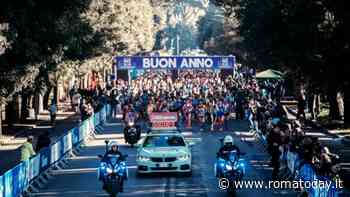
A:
(16, 136)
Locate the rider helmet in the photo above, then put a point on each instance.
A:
(228, 140)
(114, 144)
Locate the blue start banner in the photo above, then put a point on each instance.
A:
(171, 62)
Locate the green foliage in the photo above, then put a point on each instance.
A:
(308, 38)
(35, 27)
(42, 34)
(300, 35)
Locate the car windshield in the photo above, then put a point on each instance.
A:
(163, 141)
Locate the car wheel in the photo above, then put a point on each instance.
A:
(139, 175)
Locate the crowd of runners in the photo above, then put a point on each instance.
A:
(210, 101)
(200, 96)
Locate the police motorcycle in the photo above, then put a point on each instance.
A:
(112, 172)
(231, 169)
(132, 132)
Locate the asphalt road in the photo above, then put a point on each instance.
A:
(79, 178)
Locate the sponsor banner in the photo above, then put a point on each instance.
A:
(26, 171)
(1, 186)
(95, 117)
(8, 184)
(16, 180)
(171, 62)
(307, 173)
(69, 143)
(33, 167)
(45, 158)
(66, 143)
(82, 130)
(55, 152)
(91, 125)
(75, 136)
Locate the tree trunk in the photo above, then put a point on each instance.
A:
(0, 119)
(36, 105)
(317, 105)
(311, 106)
(55, 94)
(47, 97)
(333, 104)
(10, 113)
(24, 107)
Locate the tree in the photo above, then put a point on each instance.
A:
(31, 39)
(308, 38)
(125, 28)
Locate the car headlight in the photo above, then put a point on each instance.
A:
(236, 166)
(239, 165)
(183, 157)
(103, 165)
(121, 168)
(228, 167)
(109, 170)
(143, 158)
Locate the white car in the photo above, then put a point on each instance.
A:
(165, 151)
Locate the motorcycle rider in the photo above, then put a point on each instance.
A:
(114, 150)
(228, 146)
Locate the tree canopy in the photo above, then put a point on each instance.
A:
(40, 37)
(308, 38)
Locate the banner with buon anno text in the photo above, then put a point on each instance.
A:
(174, 62)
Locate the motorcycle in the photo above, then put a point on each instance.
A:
(112, 172)
(132, 132)
(231, 168)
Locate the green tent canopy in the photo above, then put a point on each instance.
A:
(269, 74)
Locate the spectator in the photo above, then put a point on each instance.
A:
(27, 149)
(84, 110)
(43, 141)
(301, 105)
(72, 92)
(53, 111)
(76, 101)
(90, 110)
(274, 141)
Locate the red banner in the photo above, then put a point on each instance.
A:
(163, 119)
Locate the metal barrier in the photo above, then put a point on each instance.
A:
(305, 173)
(23, 177)
(300, 171)
(1, 186)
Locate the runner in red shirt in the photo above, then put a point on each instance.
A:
(187, 109)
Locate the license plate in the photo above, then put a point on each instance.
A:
(163, 165)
